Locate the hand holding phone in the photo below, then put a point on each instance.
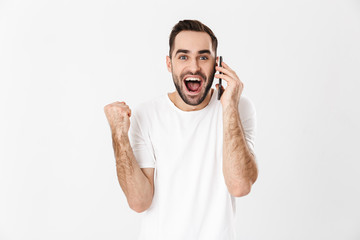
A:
(220, 91)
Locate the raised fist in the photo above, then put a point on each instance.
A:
(118, 115)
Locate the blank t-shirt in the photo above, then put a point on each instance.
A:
(191, 200)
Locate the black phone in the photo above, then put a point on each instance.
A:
(220, 80)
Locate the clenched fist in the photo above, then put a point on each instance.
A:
(118, 115)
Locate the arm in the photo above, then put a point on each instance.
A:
(239, 167)
(136, 183)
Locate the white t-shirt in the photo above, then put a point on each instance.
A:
(191, 200)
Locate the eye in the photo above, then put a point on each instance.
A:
(183, 57)
(204, 58)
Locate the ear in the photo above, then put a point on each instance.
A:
(168, 63)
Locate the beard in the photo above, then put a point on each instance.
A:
(193, 100)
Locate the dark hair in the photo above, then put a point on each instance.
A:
(191, 25)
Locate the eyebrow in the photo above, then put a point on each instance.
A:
(187, 51)
(204, 51)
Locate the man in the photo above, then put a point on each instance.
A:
(186, 155)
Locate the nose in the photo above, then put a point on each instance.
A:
(194, 65)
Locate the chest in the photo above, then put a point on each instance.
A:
(188, 141)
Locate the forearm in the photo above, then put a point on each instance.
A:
(136, 186)
(239, 167)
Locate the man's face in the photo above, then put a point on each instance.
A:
(192, 66)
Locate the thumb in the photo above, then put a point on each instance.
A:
(217, 87)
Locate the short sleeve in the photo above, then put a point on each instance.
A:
(140, 143)
(248, 121)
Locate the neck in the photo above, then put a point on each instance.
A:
(179, 103)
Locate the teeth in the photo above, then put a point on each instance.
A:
(193, 79)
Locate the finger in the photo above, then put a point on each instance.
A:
(227, 78)
(127, 110)
(230, 81)
(224, 65)
(226, 71)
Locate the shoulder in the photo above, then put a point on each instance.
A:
(246, 107)
(148, 108)
(143, 114)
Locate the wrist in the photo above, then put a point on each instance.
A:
(230, 106)
(119, 133)
(230, 101)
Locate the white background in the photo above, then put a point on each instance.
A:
(62, 61)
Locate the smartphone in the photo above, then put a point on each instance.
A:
(220, 80)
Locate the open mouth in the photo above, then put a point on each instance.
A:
(193, 85)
